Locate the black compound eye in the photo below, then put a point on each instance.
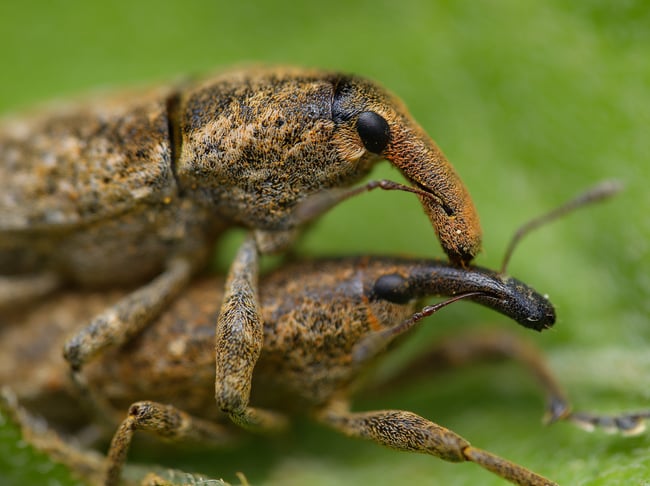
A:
(374, 131)
(393, 288)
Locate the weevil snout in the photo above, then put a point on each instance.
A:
(375, 121)
(504, 294)
(444, 197)
(522, 303)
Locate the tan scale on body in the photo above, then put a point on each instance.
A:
(135, 190)
(321, 323)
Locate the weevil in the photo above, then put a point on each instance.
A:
(325, 323)
(137, 188)
(317, 316)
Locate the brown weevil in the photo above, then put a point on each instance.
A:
(316, 316)
(325, 323)
(319, 319)
(136, 189)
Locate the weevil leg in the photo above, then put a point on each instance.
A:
(239, 338)
(474, 346)
(20, 290)
(480, 345)
(406, 431)
(628, 424)
(165, 421)
(126, 318)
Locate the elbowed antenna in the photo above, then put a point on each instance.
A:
(600, 192)
(374, 342)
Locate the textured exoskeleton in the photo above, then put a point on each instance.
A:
(321, 321)
(135, 189)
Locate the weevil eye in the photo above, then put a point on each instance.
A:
(393, 288)
(374, 131)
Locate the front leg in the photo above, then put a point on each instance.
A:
(407, 431)
(239, 339)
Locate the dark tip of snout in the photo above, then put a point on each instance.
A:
(542, 321)
(533, 310)
(521, 303)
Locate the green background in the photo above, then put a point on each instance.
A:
(531, 101)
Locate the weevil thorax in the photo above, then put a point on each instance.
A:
(377, 121)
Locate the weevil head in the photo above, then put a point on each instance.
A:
(403, 280)
(254, 144)
(370, 121)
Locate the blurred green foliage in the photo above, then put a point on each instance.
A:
(532, 101)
